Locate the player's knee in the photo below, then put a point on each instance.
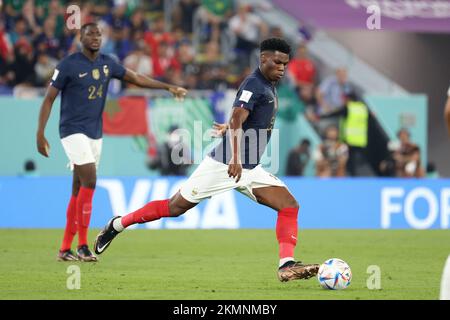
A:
(176, 211)
(89, 183)
(291, 203)
(76, 187)
(75, 190)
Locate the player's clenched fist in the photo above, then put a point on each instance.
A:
(235, 169)
(42, 145)
(178, 92)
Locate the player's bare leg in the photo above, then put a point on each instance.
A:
(154, 210)
(65, 253)
(87, 175)
(281, 200)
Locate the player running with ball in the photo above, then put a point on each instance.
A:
(83, 79)
(234, 164)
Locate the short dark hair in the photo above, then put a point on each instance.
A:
(305, 142)
(87, 25)
(275, 44)
(30, 166)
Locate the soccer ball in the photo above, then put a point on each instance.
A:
(334, 274)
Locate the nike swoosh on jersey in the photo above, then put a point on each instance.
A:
(81, 75)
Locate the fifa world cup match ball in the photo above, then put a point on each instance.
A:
(334, 274)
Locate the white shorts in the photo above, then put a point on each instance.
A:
(81, 149)
(211, 178)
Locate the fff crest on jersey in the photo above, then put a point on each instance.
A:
(105, 70)
(96, 74)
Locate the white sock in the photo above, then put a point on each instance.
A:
(284, 260)
(117, 225)
(445, 282)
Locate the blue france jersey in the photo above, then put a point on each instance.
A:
(259, 96)
(84, 85)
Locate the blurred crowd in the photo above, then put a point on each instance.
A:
(147, 36)
(340, 116)
(198, 44)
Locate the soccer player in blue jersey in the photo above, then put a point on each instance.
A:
(234, 164)
(83, 79)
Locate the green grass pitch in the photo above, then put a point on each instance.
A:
(222, 264)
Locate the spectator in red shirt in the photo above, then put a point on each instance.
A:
(301, 69)
(163, 60)
(157, 34)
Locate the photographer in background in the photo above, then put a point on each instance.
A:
(298, 158)
(406, 155)
(164, 162)
(331, 156)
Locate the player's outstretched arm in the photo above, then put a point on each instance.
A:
(238, 117)
(447, 111)
(46, 107)
(147, 82)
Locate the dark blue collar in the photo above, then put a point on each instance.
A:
(87, 59)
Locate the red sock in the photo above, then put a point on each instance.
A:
(71, 226)
(84, 210)
(286, 230)
(151, 211)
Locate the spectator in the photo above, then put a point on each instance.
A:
(117, 19)
(183, 14)
(211, 54)
(44, 68)
(139, 60)
(302, 73)
(6, 47)
(137, 22)
(13, 9)
(47, 42)
(50, 9)
(332, 91)
(191, 80)
(248, 29)
(214, 15)
(23, 64)
(20, 31)
(88, 12)
(122, 42)
(67, 43)
(156, 35)
(185, 54)
(301, 69)
(355, 129)
(164, 60)
(406, 155)
(331, 96)
(298, 158)
(331, 156)
(28, 12)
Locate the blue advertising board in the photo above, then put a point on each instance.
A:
(34, 202)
